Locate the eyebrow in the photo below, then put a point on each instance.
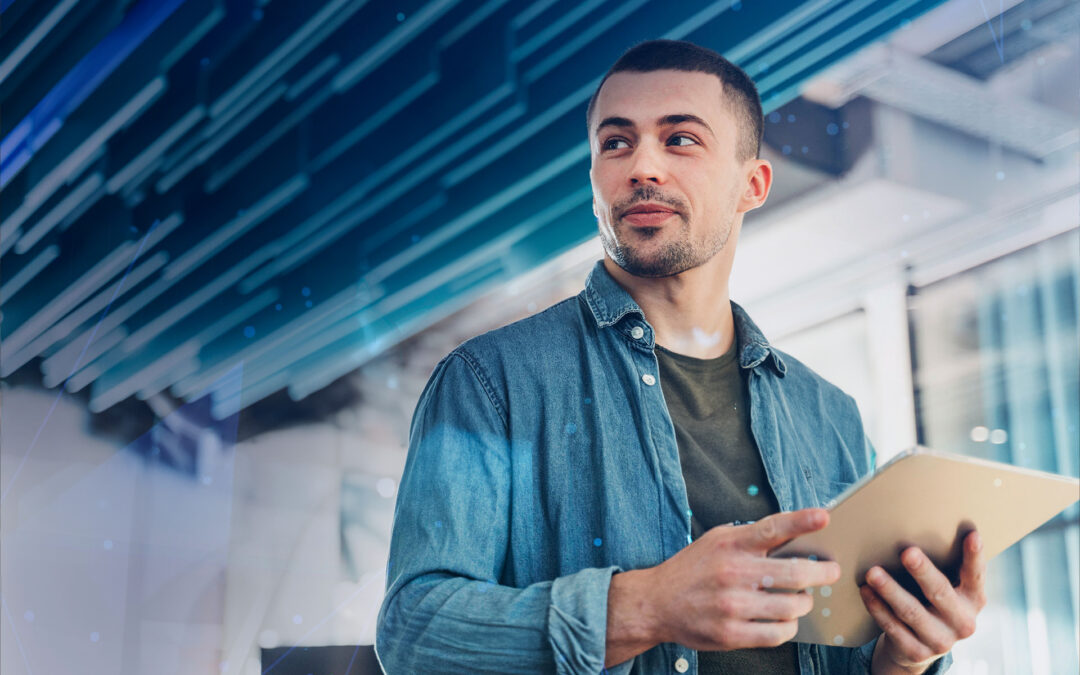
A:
(665, 121)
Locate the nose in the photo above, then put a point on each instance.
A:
(647, 166)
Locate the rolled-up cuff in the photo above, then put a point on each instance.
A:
(577, 620)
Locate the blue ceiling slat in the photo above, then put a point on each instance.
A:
(47, 117)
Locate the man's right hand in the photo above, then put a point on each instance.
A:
(715, 595)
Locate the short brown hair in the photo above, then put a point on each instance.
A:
(740, 92)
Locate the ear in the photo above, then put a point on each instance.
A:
(594, 211)
(757, 187)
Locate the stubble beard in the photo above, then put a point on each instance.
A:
(673, 257)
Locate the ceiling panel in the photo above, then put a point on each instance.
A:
(295, 187)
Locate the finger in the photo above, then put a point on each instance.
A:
(747, 634)
(765, 606)
(973, 570)
(937, 588)
(906, 642)
(793, 574)
(773, 530)
(929, 629)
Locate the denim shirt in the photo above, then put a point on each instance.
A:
(542, 459)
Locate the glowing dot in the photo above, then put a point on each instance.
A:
(386, 487)
(1000, 175)
(597, 541)
(204, 62)
(845, 125)
(297, 619)
(415, 238)
(689, 513)
(438, 524)
(786, 149)
(979, 434)
(810, 590)
(95, 636)
(588, 401)
(307, 303)
(997, 482)
(999, 436)
(752, 490)
(767, 581)
(108, 544)
(805, 149)
(305, 291)
(29, 616)
(838, 640)
(905, 217)
(774, 117)
(826, 591)
(826, 612)
(278, 307)
(790, 117)
(400, 16)
(392, 382)
(832, 129)
(249, 331)
(268, 639)
(571, 427)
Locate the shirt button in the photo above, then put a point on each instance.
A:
(648, 379)
(682, 665)
(637, 332)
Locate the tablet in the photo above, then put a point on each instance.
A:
(919, 498)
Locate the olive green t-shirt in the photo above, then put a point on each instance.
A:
(709, 403)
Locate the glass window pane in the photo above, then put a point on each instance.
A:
(996, 355)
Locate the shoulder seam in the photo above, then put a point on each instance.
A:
(485, 383)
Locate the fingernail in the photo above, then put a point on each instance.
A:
(875, 575)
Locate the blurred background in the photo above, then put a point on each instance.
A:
(237, 235)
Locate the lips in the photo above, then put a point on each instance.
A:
(647, 214)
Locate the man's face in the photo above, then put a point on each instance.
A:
(664, 138)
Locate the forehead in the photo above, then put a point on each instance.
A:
(643, 98)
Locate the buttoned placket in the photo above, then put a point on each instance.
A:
(642, 338)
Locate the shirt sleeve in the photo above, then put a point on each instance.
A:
(444, 610)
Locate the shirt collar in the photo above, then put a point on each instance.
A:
(610, 303)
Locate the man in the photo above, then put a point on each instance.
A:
(571, 478)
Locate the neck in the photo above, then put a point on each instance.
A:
(690, 312)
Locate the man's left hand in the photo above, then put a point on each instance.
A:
(915, 635)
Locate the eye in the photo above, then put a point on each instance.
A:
(607, 145)
(683, 137)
